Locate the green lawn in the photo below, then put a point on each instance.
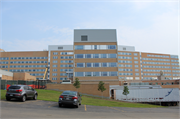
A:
(51, 95)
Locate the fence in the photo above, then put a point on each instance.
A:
(34, 84)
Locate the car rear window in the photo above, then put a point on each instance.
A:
(14, 87)
(69, 93)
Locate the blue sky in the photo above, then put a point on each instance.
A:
(31, 25)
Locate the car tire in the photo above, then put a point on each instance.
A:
(77, 106)
(23, 98)
(60, 105)
(35, 97)
(8, 99)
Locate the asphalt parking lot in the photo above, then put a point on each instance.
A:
(47, 109)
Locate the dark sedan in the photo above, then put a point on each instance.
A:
(70, 98)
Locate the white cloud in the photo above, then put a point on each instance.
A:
(161, 37)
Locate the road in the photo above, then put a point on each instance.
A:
(33, 109)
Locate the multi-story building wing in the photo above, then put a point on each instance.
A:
(93, 57)
(33, 62)
(60, 62)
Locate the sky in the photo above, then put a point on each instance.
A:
(148, 25)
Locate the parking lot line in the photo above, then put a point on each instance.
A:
(85, 107)
(117, 109)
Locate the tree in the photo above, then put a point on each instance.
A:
(101, 87)
(125, 91)
(76, 84)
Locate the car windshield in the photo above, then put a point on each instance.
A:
(69, 93)
(14, 87)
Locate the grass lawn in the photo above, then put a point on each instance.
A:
(51, 95)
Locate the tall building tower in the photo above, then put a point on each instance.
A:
(95, 55)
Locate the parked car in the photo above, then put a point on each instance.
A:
(21, 92)
(70, 98)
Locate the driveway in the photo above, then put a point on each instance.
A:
(46, 109)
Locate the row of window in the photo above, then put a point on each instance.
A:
(128, 69)
(174, 56)
(3, 66)
(124, 53)
(175, 70)
(82, 74)
(54, 78)
(175, 67)
(4, 58)
(125, 70)
(62, 70)
(126, 74)
(37, 74)
(95, 56)
(155, 59)
(174, 64)
(176, 74)
(104, 64)
(3, 62)
(66, 61)
(26, 66)
(66, 65)
(150, 70)
(122, 65)
(22, 62)
(63, 53)
(156, 66)
(27, 70)
(94, 47)
(161, 63)
(17, 58)
(174, 60)
(157, 56)
(155, 74)
(124, 61)
(63, 57)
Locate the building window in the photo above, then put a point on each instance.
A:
(55, 57)
(54, 65)
(79, 74)
(60, 47)
(137, 74)
(95, 55)
(112, 56)
(135, 54)
(96, 65)
(55, 53)
(104, 73)
(96, 74)
(136, 69)
(79, 56)
(113, 74)
(54, 74)
(80, 64)
(55, 61)
(104, 65)
(88, 56)
(79, 47)
(135, 62)
(54, 70)
(103, 55)
(111, 47)
(113, 64)
(88, 65)
(87, 73)
(136, 65)
(84, 38)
